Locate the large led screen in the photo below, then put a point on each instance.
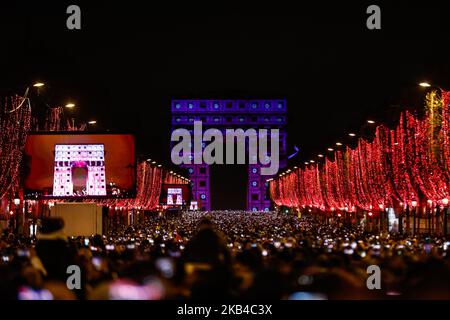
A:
(80, 165)
(175, 194)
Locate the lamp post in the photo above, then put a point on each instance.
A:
(408, 222)
(38, 85)
(425, 84)
(445, 203)
(428, 85)
(11, 221)
(414, 205)
(16, 218)
(429, 211)
(70, 106)
(370, 221)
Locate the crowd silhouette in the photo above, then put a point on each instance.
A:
(224, 255)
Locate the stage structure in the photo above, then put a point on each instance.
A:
(232, 114)
(79, 170)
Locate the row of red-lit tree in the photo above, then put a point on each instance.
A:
(17, 120)
(402, 166)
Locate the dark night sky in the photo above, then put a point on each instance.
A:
(130, 59)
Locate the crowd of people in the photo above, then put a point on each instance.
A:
(221, 255)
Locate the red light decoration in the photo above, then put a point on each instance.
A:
(407, 164)
(173, 179)
(150, 179)
(15, 120)
(15, 123)
(427, 169)
(446, 132)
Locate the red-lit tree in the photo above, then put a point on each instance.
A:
(15, 116)
(405, 164)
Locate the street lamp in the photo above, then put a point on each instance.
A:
(351, 134)
(424, 84)
(92, 122)
(429, 212)
(38, 85)
(445, 203)
(16, 218)
(370, 220)
(70, 106)
(370, 121)
(16, 200)
(414, 205)
(400, 217)
(429, 85)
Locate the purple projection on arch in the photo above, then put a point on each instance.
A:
(231, 114)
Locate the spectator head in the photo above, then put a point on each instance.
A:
(51, 225)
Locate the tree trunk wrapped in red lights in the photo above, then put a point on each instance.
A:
(310, 187)
(407, 164)
(426, 169)
(359, 193)
(149, 186)
(275, 192)
(446, 134)
(14, 126)
(150, 179)
(148, 189)
(373, 161)
(401, 176)
(344, 183)
(172, 178)
(331, 190)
